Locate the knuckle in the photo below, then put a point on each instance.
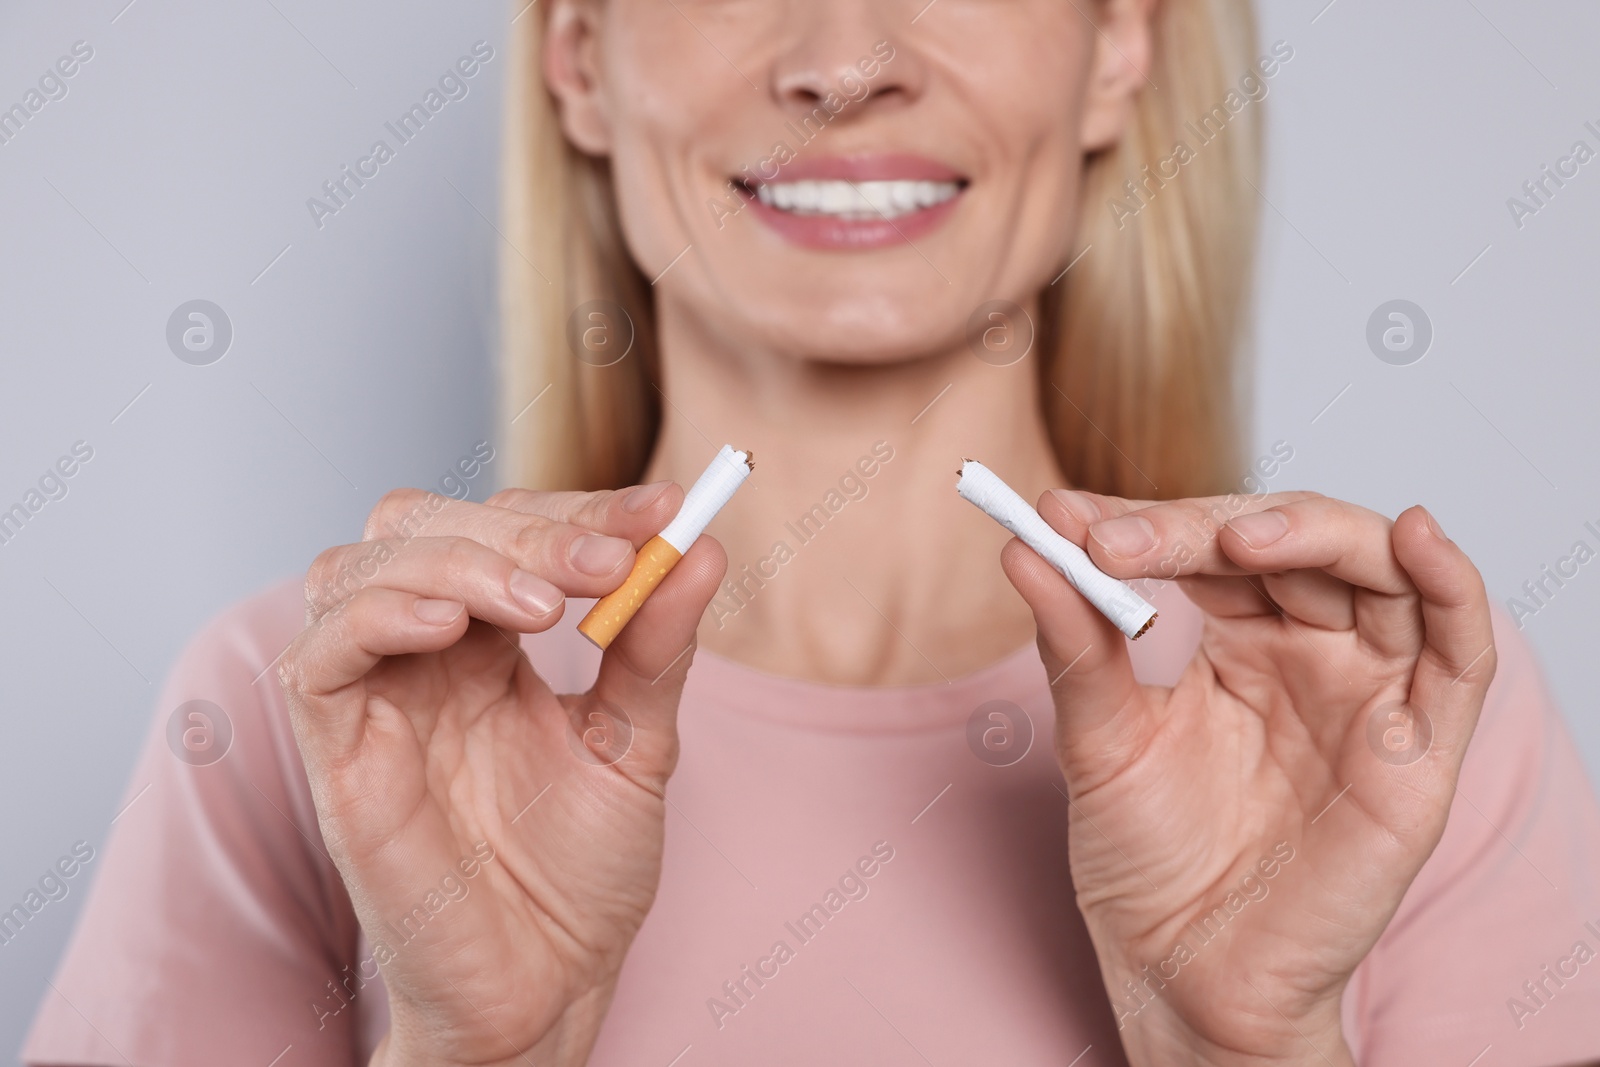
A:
(328, 629)
(340, 573)
(290, 672)
(599, 510)
(460, 555)
(392, 511)
(1316, 507)
(514, 498)
(593, 504)
(534, 540)
(319, 579)
(321, 566)
(1206, 516)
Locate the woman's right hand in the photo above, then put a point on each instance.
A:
(426, 733)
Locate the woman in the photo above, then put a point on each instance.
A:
(863, 240)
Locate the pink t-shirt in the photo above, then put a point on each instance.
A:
(218, 932)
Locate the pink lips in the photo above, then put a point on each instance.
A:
(830, 232)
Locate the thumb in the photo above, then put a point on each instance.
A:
(1102, 718)
(642, 674)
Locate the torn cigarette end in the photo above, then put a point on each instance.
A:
(980, 486)
(714, 488)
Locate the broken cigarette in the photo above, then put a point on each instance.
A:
(1131, 613)
(661, 553)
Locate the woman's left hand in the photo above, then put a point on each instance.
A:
(1239, 840)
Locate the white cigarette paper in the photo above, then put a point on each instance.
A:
(979, 485)
(714, 488)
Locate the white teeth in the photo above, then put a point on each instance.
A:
(856, 200)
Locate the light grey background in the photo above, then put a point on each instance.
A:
(178, 166)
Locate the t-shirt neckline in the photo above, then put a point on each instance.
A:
(733, 687)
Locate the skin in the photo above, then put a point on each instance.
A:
(424, 731)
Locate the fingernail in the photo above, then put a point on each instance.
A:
(535, 594)
(1261, 529)
(1129, 535)
(1082, 508)
(438, 612)
(598, 554)
(645, 495)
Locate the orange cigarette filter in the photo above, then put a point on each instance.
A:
(612, 611)
(661, 553)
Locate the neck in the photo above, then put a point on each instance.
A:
(851, 559)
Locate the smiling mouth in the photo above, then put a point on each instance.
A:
(854, 201)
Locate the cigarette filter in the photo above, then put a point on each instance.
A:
(661, 553)
(1132, 614)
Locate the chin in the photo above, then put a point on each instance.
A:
(855, 328)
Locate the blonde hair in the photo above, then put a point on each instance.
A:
(1142, 390)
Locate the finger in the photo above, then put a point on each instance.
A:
(636, 513)
(1347, 542)
(1313, 597)
(1099, 720)
(1277, 533)
(1458, 656)
(1183, 533)
(580, 560)
(1184, 547)
(643, 671)
(451, 568)
(1227, 596)
(329, 656)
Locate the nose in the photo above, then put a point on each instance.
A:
(843, 54)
